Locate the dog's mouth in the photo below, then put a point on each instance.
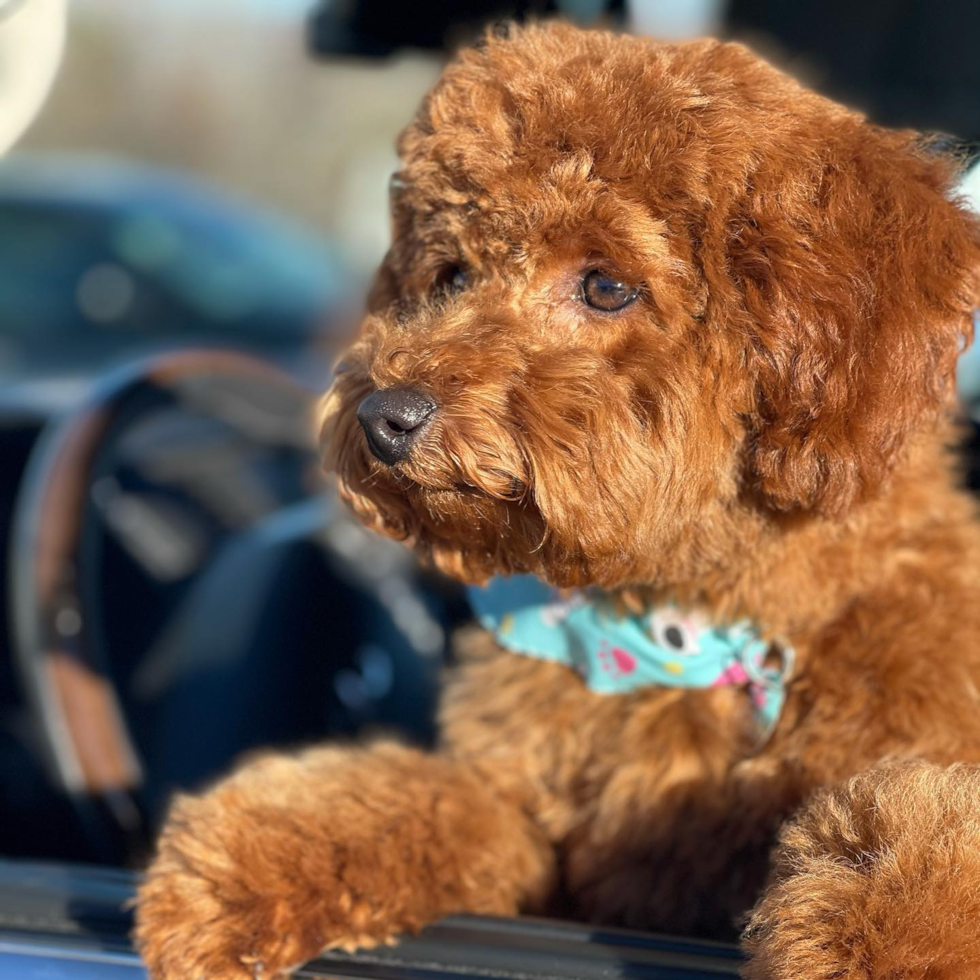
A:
(461, 495)
(517, 491)
(419, 483)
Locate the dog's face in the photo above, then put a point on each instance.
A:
(638, 296)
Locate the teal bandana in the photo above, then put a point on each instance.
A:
(615, 652)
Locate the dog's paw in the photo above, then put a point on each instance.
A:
(876, 880)
(335, 849)
(182, 934)
(190, 930)
(236, 894)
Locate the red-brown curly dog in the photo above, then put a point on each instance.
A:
(670, 325)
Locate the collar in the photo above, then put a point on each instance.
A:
(616, 652)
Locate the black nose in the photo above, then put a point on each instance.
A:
(393, 419)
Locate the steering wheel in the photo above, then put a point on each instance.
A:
(94, 742)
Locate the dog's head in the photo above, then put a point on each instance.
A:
(636, 290)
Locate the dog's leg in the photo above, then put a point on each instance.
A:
(876, 880)
(332, 848)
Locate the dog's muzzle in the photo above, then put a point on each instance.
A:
(393, 419)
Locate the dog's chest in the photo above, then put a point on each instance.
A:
(652, 829)
(666, 837)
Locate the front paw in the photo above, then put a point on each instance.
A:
(238, 894)
(329, 849)
(878, 879)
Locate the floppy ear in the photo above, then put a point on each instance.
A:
(858, 273)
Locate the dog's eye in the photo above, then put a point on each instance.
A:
(451, 280)
(607, 293)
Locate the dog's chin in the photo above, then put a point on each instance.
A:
(471, 536)
(464, 532)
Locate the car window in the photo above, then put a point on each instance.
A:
(159, 271)
(231, 272)
(59, 275)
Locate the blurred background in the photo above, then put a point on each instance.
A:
(186, 232)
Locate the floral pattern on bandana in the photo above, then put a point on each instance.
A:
(615, 652)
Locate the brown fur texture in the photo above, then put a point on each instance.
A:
(763, 433)
(877, 879)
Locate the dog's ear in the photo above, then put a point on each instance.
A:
(858, 274)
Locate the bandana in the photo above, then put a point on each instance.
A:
(616, 653)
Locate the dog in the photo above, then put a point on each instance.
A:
(677, 336)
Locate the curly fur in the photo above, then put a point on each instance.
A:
(877, 879)
(763, 433)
